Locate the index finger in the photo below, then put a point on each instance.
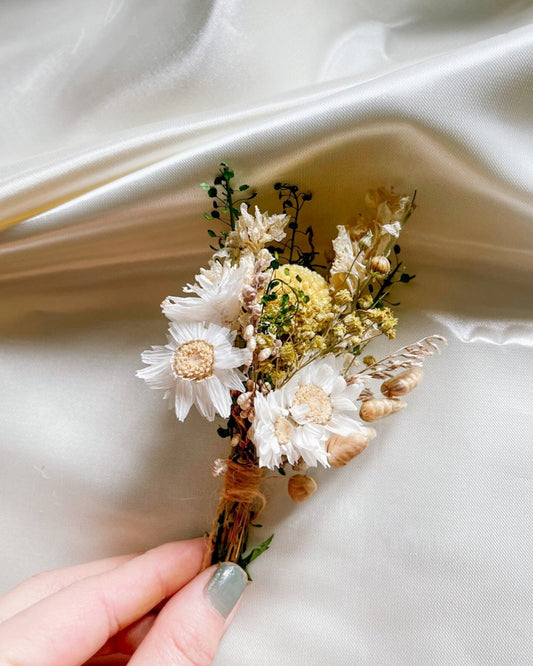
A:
(46, 583)
(71, 625)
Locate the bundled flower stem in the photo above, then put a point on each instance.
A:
(241, 499)
(270, 340)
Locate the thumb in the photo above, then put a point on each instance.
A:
(190, 626)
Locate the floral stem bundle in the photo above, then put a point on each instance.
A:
(270, 337)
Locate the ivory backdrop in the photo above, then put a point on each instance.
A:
(419, 552)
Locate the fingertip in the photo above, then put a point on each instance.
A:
(225, 587)
(193, 621)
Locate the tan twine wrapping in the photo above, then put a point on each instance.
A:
(240, 502)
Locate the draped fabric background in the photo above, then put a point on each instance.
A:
(419, 552)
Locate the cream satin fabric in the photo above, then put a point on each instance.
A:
(420, 551)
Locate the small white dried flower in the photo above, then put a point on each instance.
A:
(249, 291)
(248, 332)
(220, 467)
(261, 280)
(256, 310)
(217, 294)
(253, 232)
(264, 354)
(244, 400)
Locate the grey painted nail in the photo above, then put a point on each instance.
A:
(226, 587)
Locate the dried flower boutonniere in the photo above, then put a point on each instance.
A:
(270, 339)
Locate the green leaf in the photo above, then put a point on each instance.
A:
(207, 216)
(245, 560)
(260, 549)
(242, 188)
(205, 186)
(211, 233)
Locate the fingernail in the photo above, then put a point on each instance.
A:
(226, 587)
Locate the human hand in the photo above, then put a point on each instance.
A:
(92, 613)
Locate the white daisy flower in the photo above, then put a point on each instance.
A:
(269, 420)
(297, 420)
(197, 366)
(275, 434)
(218, 294)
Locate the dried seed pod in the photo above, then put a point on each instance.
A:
(380, 265)
(301, 487)
(342, 449)
(300, 465)
(378, 408)
(402, 383)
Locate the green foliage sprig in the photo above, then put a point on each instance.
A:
(292, 201)
(384, 286)
(225, 209)
(276, 321)
(245, 560)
